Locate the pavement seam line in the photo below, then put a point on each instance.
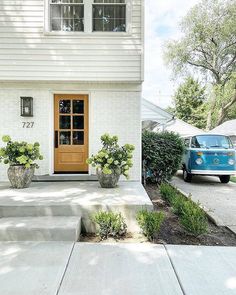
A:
(66, 267)
(175, 271)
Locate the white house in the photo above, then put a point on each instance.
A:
(80, 64)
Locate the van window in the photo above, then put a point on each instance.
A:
(211, 141)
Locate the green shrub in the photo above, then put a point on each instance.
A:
(110, 224)
(113, 157)
(178, 204)
(162, 154)
(150, 222)
(193, 218)
(168, 193)
(20, 153)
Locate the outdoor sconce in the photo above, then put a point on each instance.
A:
(26, 106)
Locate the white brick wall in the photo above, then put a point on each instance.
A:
(114, 108)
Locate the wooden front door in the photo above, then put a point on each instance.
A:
(70, 133)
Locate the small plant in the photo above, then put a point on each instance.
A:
(112, 157)
(110, 224)
(150, 222)
(178, 204)
(168, 193)
(193, 218)
(20, 153)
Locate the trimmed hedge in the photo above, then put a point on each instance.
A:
(162, 154)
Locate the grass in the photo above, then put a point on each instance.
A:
(233, 178)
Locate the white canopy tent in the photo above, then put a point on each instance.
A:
(156, 119)
(153, 116)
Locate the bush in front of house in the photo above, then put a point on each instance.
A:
(150, 222)
(193, 218)
(110, 224)
(162, 154)
(112, 157)
(20, 153)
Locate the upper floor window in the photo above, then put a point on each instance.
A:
(67, 15)
(109, 16)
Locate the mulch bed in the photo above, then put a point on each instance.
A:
(173, 233)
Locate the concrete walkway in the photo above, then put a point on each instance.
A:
(218, 199)
(53, 268)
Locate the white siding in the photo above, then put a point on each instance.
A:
(26, 53)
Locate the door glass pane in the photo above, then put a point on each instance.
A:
(64, 106)
(65, 122)
(78, 106)
(64, 138)
(78, 137)
(78, 122)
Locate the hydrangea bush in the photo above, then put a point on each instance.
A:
(20, 153)
(112, 157)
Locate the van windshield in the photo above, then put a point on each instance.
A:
(211, 141)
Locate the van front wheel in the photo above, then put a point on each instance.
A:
(187, 176)
(224, 178)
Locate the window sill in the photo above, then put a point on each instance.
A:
(87, 35)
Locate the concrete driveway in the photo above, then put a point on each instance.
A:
(219, 200)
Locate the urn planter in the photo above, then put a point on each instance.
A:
(108, 180)
(20, 176)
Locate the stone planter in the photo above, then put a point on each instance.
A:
(108, 180)
(19, 176)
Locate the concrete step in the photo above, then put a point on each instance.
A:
(44, 228)
(64, 177)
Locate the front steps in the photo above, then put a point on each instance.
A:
(43, 228)
(57, 211)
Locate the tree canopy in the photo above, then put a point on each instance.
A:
(208, 49)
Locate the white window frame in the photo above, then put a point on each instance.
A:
(88, 22)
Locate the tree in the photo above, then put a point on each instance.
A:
(190, 103)
(208, 48)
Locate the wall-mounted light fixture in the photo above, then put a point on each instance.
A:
(26, 106)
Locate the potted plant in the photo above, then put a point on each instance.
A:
(21, 157)
(112, 161)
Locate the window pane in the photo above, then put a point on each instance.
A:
(64, 106)
(79, 25)
(66, 1)
(78, 137)
(64, 138)
(78, 12)
(64, 122)
(56, 11)
(68, 25)
(119, 25)
(78, 122)
(56, 24)
(67, 11)
(78, 106)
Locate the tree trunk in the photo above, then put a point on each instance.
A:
(211, 110)
(224, 110)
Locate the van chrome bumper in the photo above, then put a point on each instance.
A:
(213, 172)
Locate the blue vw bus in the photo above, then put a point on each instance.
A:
(209, 154)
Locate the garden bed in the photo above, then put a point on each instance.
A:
(172, 232)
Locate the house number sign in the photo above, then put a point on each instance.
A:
(27, 124)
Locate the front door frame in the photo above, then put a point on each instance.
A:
(52, 133)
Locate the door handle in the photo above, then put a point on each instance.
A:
(56, 140)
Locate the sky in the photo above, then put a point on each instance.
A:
(161, 23)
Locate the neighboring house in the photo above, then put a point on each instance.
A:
(156, 119)
(154, 116)
(227, 128)
(80, 63)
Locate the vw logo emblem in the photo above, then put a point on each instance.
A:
(216, 161)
